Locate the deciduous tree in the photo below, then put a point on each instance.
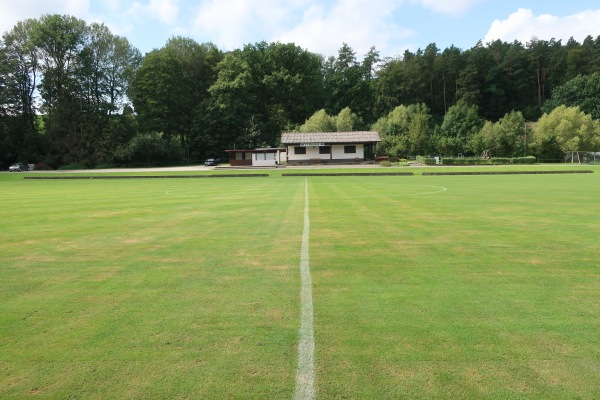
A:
(569, 128)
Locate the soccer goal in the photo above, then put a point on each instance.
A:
(583, 157)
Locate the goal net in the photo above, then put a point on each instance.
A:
(582, 157)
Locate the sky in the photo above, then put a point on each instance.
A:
(392, 26)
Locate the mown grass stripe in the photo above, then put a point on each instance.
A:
(305, 375)
(151, 176)
(348, 174)
(583, 171)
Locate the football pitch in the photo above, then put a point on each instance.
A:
(422, 287)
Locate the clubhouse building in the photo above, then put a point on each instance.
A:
(329, 147)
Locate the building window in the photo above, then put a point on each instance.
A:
(349, 149)
(325, 150)
(299, 150)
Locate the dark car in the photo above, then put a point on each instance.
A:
(18, 167)
(212, 161)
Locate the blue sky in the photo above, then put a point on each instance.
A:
(392, 26)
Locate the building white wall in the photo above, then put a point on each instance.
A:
(311, 152)
(268, 159)
(264, 159)
(337, 153)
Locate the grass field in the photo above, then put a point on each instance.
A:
(423, 287)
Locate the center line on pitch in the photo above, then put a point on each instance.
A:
(305, 375)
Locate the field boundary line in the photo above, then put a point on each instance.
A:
(305, 374)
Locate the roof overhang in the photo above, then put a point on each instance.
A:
(328, 138)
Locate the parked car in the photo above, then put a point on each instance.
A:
(212, 161)
(18, 167)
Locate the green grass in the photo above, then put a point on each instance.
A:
(486, 290)
(424, 287)
(148, 289)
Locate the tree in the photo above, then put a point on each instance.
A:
(60, 40)
(170, 85)
(107, 64)
(548, 64)
(20, 74)
(261, 90)
(509, 141)
(504, 138)
(469, 86)
(320, 121)
(516, 66)
(428, 64)
(449, 64)
(565, 129)
(460, 123)
(582, 91)
(18, 82)
(150, 149)
(347, 121)
(84, 71)
(419, 131)
(345, 84)
(369, 64)
(570, 127)
(405, 131)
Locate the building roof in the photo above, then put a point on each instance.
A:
(330, 137)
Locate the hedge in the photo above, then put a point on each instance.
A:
(426, 160)
(489, 161)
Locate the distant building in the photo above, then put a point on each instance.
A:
(266, 157)
(329, 147)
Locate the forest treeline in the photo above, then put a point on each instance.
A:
(73, 93)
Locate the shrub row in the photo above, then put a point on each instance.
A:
(394, 164)
(488, 161)
(425, 160)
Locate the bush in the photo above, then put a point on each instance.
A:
(524, 160)
(150, 149)
(103, 166)
(490, 161)
(72, 166)
(394, 164)
(425, 160)
(42, 167)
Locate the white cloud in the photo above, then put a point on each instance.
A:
(451, 7)
(359, 23)
(523, 25)
(165, 11)
(231, 23)
(112, 5)
(12, 12)
(315, 25)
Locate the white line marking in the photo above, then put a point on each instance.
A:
(305, 375)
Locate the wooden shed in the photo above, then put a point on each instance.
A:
(263, 157)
